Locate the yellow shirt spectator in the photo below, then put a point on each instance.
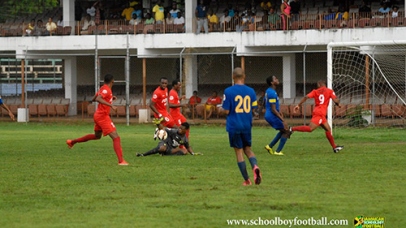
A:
(342, 16)
(213, 19)
(159, 12)
(127, 13)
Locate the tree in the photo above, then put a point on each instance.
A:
(13, 9)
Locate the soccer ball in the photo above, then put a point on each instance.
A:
(162, 135)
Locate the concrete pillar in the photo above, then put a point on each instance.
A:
(70, 76)
(190, 19)
(190, 69)
(69, 14)
(289, 76)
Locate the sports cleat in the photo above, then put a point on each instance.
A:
(269, 149)
(197, 153)
(139, 155)
(156, 133)
(338, 148)
(70, 144)
(257, 175)
(246, 183)
(123, 163)
(290, 132)
(278, 153)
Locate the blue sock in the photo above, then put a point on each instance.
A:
(243, 170)
(276, 139)
(281, 144)
(253, 161)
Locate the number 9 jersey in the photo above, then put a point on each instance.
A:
(322, 98)
(239, 100)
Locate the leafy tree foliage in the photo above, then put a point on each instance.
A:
(13, 9)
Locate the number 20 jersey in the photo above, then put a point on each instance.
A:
(239, 100)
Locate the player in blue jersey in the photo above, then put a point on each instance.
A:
(4, 106)
(274, 117)
(238, 102)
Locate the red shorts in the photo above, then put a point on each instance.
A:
(179, 119)
(168, 120)
(318, 119)
(104, 124)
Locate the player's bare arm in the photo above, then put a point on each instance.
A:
(152, 106)
(337, 102)
(297, 107)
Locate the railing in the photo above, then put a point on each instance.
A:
(235, 24)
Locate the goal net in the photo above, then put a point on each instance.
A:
(370, 80)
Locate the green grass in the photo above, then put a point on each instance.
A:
(44, 184)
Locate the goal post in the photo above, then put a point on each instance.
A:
(370, 80)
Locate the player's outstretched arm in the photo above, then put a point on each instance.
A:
(337, 102)
(297, 107)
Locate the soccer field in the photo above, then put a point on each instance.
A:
(44, 184)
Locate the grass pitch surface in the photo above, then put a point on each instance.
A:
(44, 184)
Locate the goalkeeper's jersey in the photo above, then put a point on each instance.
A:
(175, 139)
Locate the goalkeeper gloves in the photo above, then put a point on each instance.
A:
(157, 120)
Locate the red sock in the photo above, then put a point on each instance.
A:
(84, 138)
(118, 149)
(302, 129)
(330, 139)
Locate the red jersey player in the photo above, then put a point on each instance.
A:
(159, 104)
(321, 97)
(102, 122)
(174, 104)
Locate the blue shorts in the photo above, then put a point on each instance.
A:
(275, 123)
(239, 140)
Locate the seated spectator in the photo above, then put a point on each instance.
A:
(127, 13)
(51, 27)
(395, 12)
(91, 11)
(343, 16)
(231, 11)
(39, 29)
(30, 28)
(134, 20)
(174, 11)
(364, 11)
(179, 20)
(193, 101)
(60, 21)
(211, 104)
(138, 13)
(169, 19)
(86, 23)
(273, 18)
(213, 20)
(149, 20)
(158, 11)
(384, 10)
(225, 19)
(330, 15)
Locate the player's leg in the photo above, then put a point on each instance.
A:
(315, 122)
(246, 139)
(109, 129)
(236, 143)
(161, 148)
(281, 136)
(330, 137)
(97, 135)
